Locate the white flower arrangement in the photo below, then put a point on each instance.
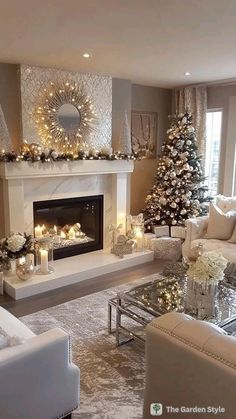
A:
(209, 267)
(15, 242)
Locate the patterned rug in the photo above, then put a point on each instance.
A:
(112, 379)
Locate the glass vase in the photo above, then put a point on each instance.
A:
(200, 298)
(44, 256)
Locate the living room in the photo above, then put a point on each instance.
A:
(118, 209)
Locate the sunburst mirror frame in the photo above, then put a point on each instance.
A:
(51, 131)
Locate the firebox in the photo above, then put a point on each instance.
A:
(74, 224)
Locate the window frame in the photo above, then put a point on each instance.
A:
(212, 110)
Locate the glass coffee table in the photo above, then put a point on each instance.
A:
(136, 308)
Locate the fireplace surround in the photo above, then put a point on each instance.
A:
(75, 224)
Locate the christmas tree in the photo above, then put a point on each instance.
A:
(178, 192)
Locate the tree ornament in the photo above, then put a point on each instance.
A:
(162, 200)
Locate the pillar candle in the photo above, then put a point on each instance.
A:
(44, 261)
(38, 231)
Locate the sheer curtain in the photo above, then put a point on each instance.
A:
(194, 100)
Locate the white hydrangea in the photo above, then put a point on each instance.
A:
(209, 267)
(15, 242)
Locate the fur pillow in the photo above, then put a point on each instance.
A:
(226, 203)
(220, 224)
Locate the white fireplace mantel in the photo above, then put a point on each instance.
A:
(25, 170)
(23, 183)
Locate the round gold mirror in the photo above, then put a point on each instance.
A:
(65, 117)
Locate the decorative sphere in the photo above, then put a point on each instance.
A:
(25, 271)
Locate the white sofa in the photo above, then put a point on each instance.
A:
(196, 229)
(37, 378)
(189, 363)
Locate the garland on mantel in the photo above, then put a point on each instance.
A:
(34, 153)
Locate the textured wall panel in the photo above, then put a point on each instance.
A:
(99, 88)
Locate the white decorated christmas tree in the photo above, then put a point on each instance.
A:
(178, 192)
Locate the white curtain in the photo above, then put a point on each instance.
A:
(194, 100)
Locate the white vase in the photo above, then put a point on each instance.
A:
(200, 298)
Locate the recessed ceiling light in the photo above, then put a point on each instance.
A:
(187, 73)
(86, 55)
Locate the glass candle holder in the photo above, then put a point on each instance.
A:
(44, 255)
(138, 234)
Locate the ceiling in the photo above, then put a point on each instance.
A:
(150, 42)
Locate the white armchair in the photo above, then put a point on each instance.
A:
(197, 227)
(189, 363)
(37, 378)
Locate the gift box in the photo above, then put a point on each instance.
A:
(178, 231)
(161, 231)
(167, 248)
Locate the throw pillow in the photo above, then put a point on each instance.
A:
(233, 237)
(226, 203)
(220, 224)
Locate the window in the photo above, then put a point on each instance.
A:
(213, 140)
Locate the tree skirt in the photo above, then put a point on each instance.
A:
(112, 379)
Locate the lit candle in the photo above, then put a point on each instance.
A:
(139, 238)
(55, 229)
(38, 231)
(63, 236)
(44, 261)
(72, 234)
(30, 258)
(22, 260)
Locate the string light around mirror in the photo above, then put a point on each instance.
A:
(50, 116)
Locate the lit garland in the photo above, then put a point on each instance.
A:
(50, 128)
(34, 153)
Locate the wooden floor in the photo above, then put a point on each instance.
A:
(52, 298)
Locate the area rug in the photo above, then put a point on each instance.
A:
(112, 379)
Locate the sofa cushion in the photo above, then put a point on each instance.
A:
(233, 237)
(226, 203)
(220, 224)
(13, 327)
(228, 250)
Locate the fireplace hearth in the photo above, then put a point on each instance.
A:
(74, 224)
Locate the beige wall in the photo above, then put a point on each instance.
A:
(10, 100)
(151, 99)
(220, 97)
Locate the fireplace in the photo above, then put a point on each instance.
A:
(74, 224)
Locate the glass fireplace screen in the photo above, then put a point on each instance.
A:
(76, 224)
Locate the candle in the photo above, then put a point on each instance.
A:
(63, 236)
(55, 229)
(30, 258)
(139, 238)
(38, 231)
(72, 234)
(22, 260)
(44, 261)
